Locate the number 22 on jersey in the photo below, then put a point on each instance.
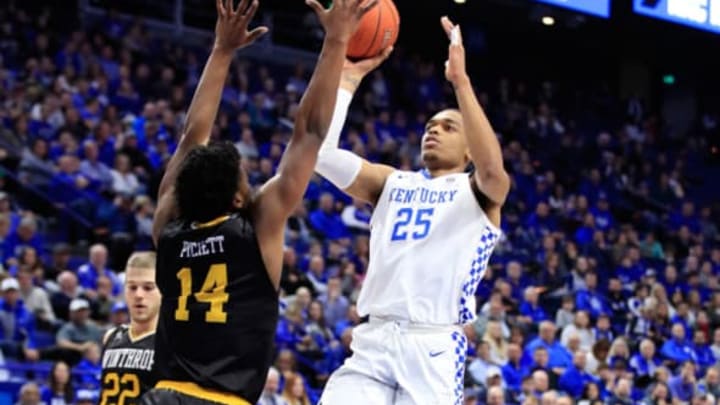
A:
(212, 292)
(411, 223)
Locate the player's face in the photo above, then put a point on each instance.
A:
(444, 140)
(141, 294)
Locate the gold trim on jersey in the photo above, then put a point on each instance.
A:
(194, 390)
(135, 339)
(211, 223)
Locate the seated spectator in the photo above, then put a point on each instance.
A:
(622, 394)
(704, 356)
(36, 169)
(645, 363)
(26, 234)
(575, 378)
(294, 391)
(566, 314)
(68, 291)
(90, 367)
(93, 169)
(541, 361)
(356, 216)
(497, 343)
(119, 315)
(530, 309)
(60, 389)
(89, 273)
(513, 371)
(495, 396)
(124, 180)
(326, 221)
(35, 299)
(102, 304)
(271, 392)
(683, 386)
(590, 299)
(591, 394)
(560, 358)
(677, 349)
(603, 329)
(335, 305)
(80, 333)
(711, 382)
(17, 324)
(659, 393)
(581, 328)
(29, 394)
(317, 274)
(481, 367)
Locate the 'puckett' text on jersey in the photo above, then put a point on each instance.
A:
(432, 242)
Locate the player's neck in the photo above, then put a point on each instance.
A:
(443, 171)
(140, 329)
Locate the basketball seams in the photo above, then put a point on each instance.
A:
(377, 28)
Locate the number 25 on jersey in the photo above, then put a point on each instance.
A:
(411, 223)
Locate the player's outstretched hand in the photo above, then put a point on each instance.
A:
(455, 65)
(341, 19)
(231, 29)
(355, 72)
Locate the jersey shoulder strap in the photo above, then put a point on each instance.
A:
(114, 333)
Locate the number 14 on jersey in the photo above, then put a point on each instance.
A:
(412, 223)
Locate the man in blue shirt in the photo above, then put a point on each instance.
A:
(575, 378)
(560, 357)
(677, 349)
(644, 364)
(17, 325)
(514, 371)
(590, 299)
(89, 273)
(683, 385)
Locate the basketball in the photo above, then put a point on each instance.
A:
(377, 30)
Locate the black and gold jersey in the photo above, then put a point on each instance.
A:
(219, 308)
(127, 367)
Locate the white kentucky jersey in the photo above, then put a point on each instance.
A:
(429, 247)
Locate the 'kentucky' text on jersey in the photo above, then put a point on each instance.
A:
(431, 238)
(127, 367)
(219, 308)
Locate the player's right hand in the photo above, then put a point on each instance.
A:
(354, 72)
(231, 29)
(341, 19)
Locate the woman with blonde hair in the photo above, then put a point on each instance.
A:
(498, 345)
(294, 391)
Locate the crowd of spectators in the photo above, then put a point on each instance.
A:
(604, 288)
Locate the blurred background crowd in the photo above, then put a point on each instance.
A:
(604, 289)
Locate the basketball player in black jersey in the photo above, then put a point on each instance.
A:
(219, 247)
(128, 354)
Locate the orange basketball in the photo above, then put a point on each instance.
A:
(377, 30)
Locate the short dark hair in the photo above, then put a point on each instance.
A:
(208, 181)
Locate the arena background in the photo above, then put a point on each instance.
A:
(610, 132)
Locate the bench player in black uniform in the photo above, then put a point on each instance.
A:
(219, 247)
(128, 353)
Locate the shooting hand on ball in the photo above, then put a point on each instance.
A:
(354, 72)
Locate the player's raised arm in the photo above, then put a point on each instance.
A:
(281, 194)
(485, 151)
(347, 171)
(231, 34)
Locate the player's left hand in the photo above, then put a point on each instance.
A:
(455, 65)
(231, 29)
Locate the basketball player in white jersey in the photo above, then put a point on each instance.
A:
(432, 233)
